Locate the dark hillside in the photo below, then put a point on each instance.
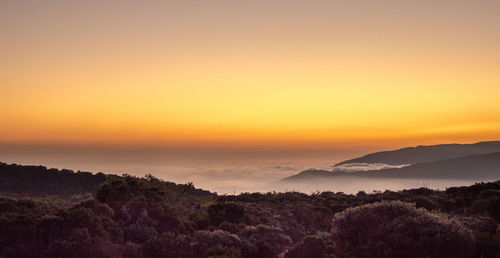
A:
(478, 167)
(148, 217)
(40, 181)
(485, 167)
(419, 154)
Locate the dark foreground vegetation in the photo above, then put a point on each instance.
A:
(54, 213)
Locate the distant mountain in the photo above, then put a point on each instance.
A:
(478, 167)
(316, 173)
(419, 154)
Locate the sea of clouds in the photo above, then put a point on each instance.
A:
(224, 176)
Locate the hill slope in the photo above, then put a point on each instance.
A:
(41, 181)
(147, 217)
(478, 167)
(419, 154)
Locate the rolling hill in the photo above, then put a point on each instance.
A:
(420, 154)
(478, 167)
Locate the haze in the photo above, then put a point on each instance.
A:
(299, 83)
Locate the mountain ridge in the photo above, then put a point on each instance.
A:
(479, 167)
(429, 153)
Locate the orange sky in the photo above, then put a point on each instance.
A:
(249, 73)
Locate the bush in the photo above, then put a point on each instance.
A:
(273, 236)
(206, 239)
(226, 212)
(397, 229)
(311, 246)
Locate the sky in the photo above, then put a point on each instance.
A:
(257, 75)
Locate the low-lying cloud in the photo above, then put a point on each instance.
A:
(222, 176)
(351, 167)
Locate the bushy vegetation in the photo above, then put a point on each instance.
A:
(125, 216)
(398, 229)
(40, 181)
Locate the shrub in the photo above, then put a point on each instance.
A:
(169, 245)
(226, 212)
(206, 239)
(397, 229)
(273, 236)
(220, 251)
(311, 246)
(426, 203)
(494, 208)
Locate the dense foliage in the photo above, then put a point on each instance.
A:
(125, 216)
(398, 229)
(40, 181)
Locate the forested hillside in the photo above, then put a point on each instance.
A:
(125, 216)
(40, 181)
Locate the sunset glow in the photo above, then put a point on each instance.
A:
(249, 73)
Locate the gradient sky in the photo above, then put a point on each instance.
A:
(249, 73)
